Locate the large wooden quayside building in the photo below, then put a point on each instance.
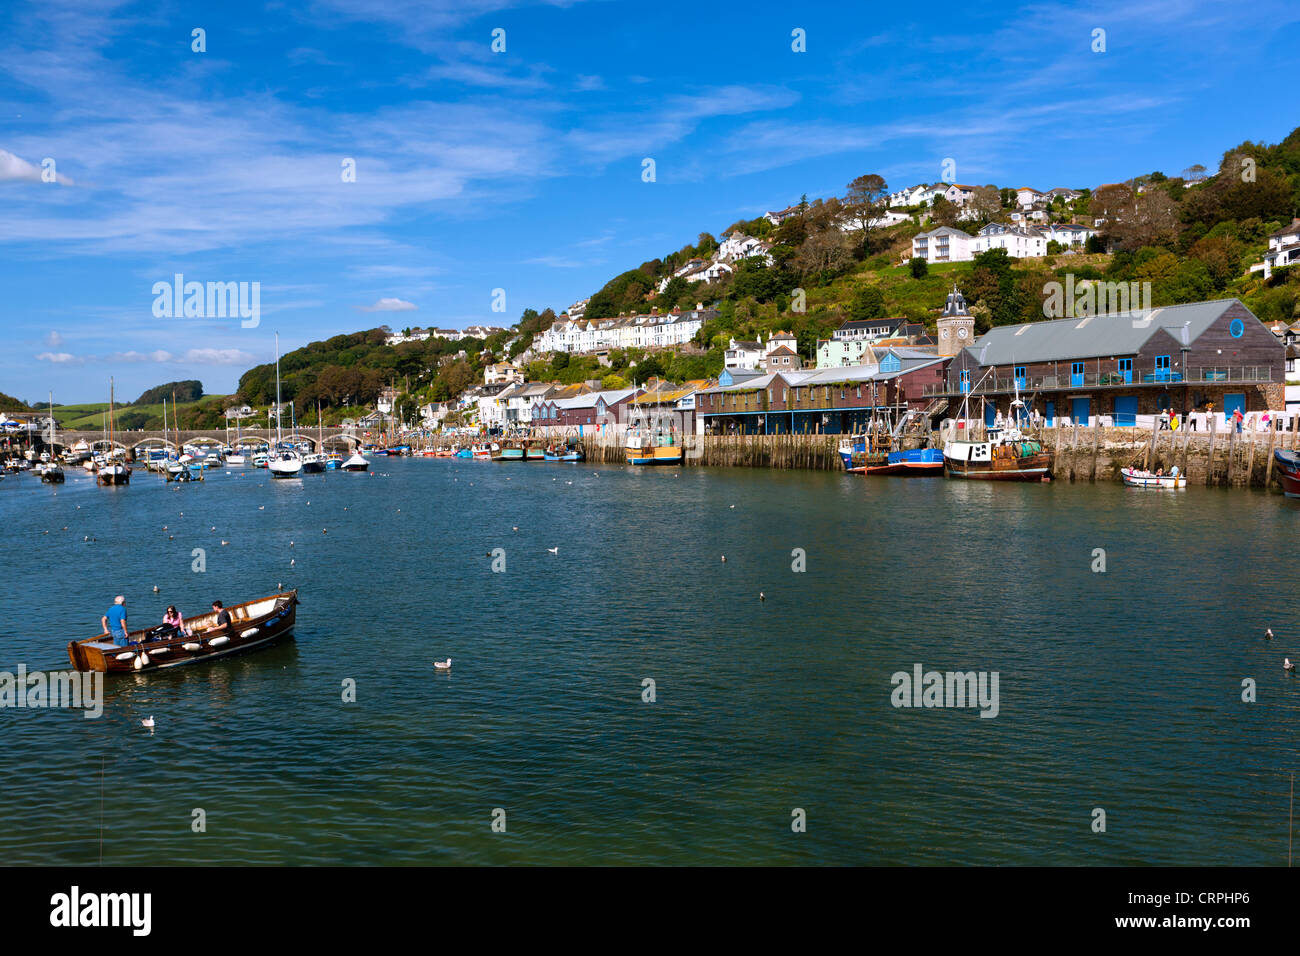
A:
(1109, 369)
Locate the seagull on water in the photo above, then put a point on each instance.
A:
(442, 665)
(1268, 633)
(554, 550)
(147, 722)
(1287, 665)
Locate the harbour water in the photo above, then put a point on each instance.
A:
(1120, 690)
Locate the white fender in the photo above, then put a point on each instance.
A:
(191, 646)
(250, 632)
(218, 641)
(127, 656)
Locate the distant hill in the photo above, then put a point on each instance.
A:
(10, 404)
(187, 391)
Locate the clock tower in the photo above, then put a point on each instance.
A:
(956, 325)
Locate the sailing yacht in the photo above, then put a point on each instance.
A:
(284, 461)
(112, 471)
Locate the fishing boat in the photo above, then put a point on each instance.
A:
(509, 452)
(1288, 471)
(897, 460)
(1138, 478)
(912, 461)
(534, 453)
(358, 462)
(657, 447)
(569, 450)
(1005, 454)
(112, 471)
(254, 624)
(52, 474)
(484, 451)
(314, 464)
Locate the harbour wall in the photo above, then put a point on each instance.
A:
(1217, 457)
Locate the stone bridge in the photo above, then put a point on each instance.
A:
(133, 441)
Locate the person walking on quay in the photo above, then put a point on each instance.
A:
(114, 622)
(1237, 419)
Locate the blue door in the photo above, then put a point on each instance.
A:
(1126, 371)
(1050, 414)
(1231, 402)
(990, 413)
(1126, 410)
(1076, 374)
(1081, 410)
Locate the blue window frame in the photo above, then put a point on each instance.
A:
(1076, 373)
(965, 380)
(1126, 369)
(1021, 379)
(1162, 368)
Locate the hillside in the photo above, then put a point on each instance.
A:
(1191, 242)
(205, 413)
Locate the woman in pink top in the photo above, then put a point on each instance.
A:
(173, 619)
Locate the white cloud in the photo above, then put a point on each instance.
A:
(218, 357)
(16, 169)
(389, 305)
(59, 358)
(54, 339)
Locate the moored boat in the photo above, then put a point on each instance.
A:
(1288, 471)
(314, 464)
(254, 624)
(659, 448)
(1137, 478)
(513, 452)
(1005, 455)
(913, 461)
(357, 462)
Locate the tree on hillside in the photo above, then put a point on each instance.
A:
(868, 303)
(866, 200)
(823, 252)
(986, 203)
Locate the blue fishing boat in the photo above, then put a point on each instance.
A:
(913, 461)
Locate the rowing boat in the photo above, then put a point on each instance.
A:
(253, 624)
(1136, 478)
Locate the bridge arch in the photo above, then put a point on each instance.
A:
(298, 437)
(149, 443)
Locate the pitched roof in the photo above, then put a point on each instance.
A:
(1121, 333)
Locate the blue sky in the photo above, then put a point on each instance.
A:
(522, 170)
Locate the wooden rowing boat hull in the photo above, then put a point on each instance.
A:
(255, 625)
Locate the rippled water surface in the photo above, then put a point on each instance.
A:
(1120, 690)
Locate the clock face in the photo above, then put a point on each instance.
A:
(961, 333)
(943, 334)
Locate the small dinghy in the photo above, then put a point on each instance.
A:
(1136, 478)
(254, 624)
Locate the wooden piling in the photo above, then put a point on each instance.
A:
(1209, 459)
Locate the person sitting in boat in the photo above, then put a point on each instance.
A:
(1160, 472)
(173, 621)
(114, 622)
(223, 616)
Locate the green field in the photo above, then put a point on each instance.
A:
(90, 416)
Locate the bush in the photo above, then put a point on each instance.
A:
(919, 268)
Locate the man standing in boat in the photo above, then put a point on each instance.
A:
(115, 621)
